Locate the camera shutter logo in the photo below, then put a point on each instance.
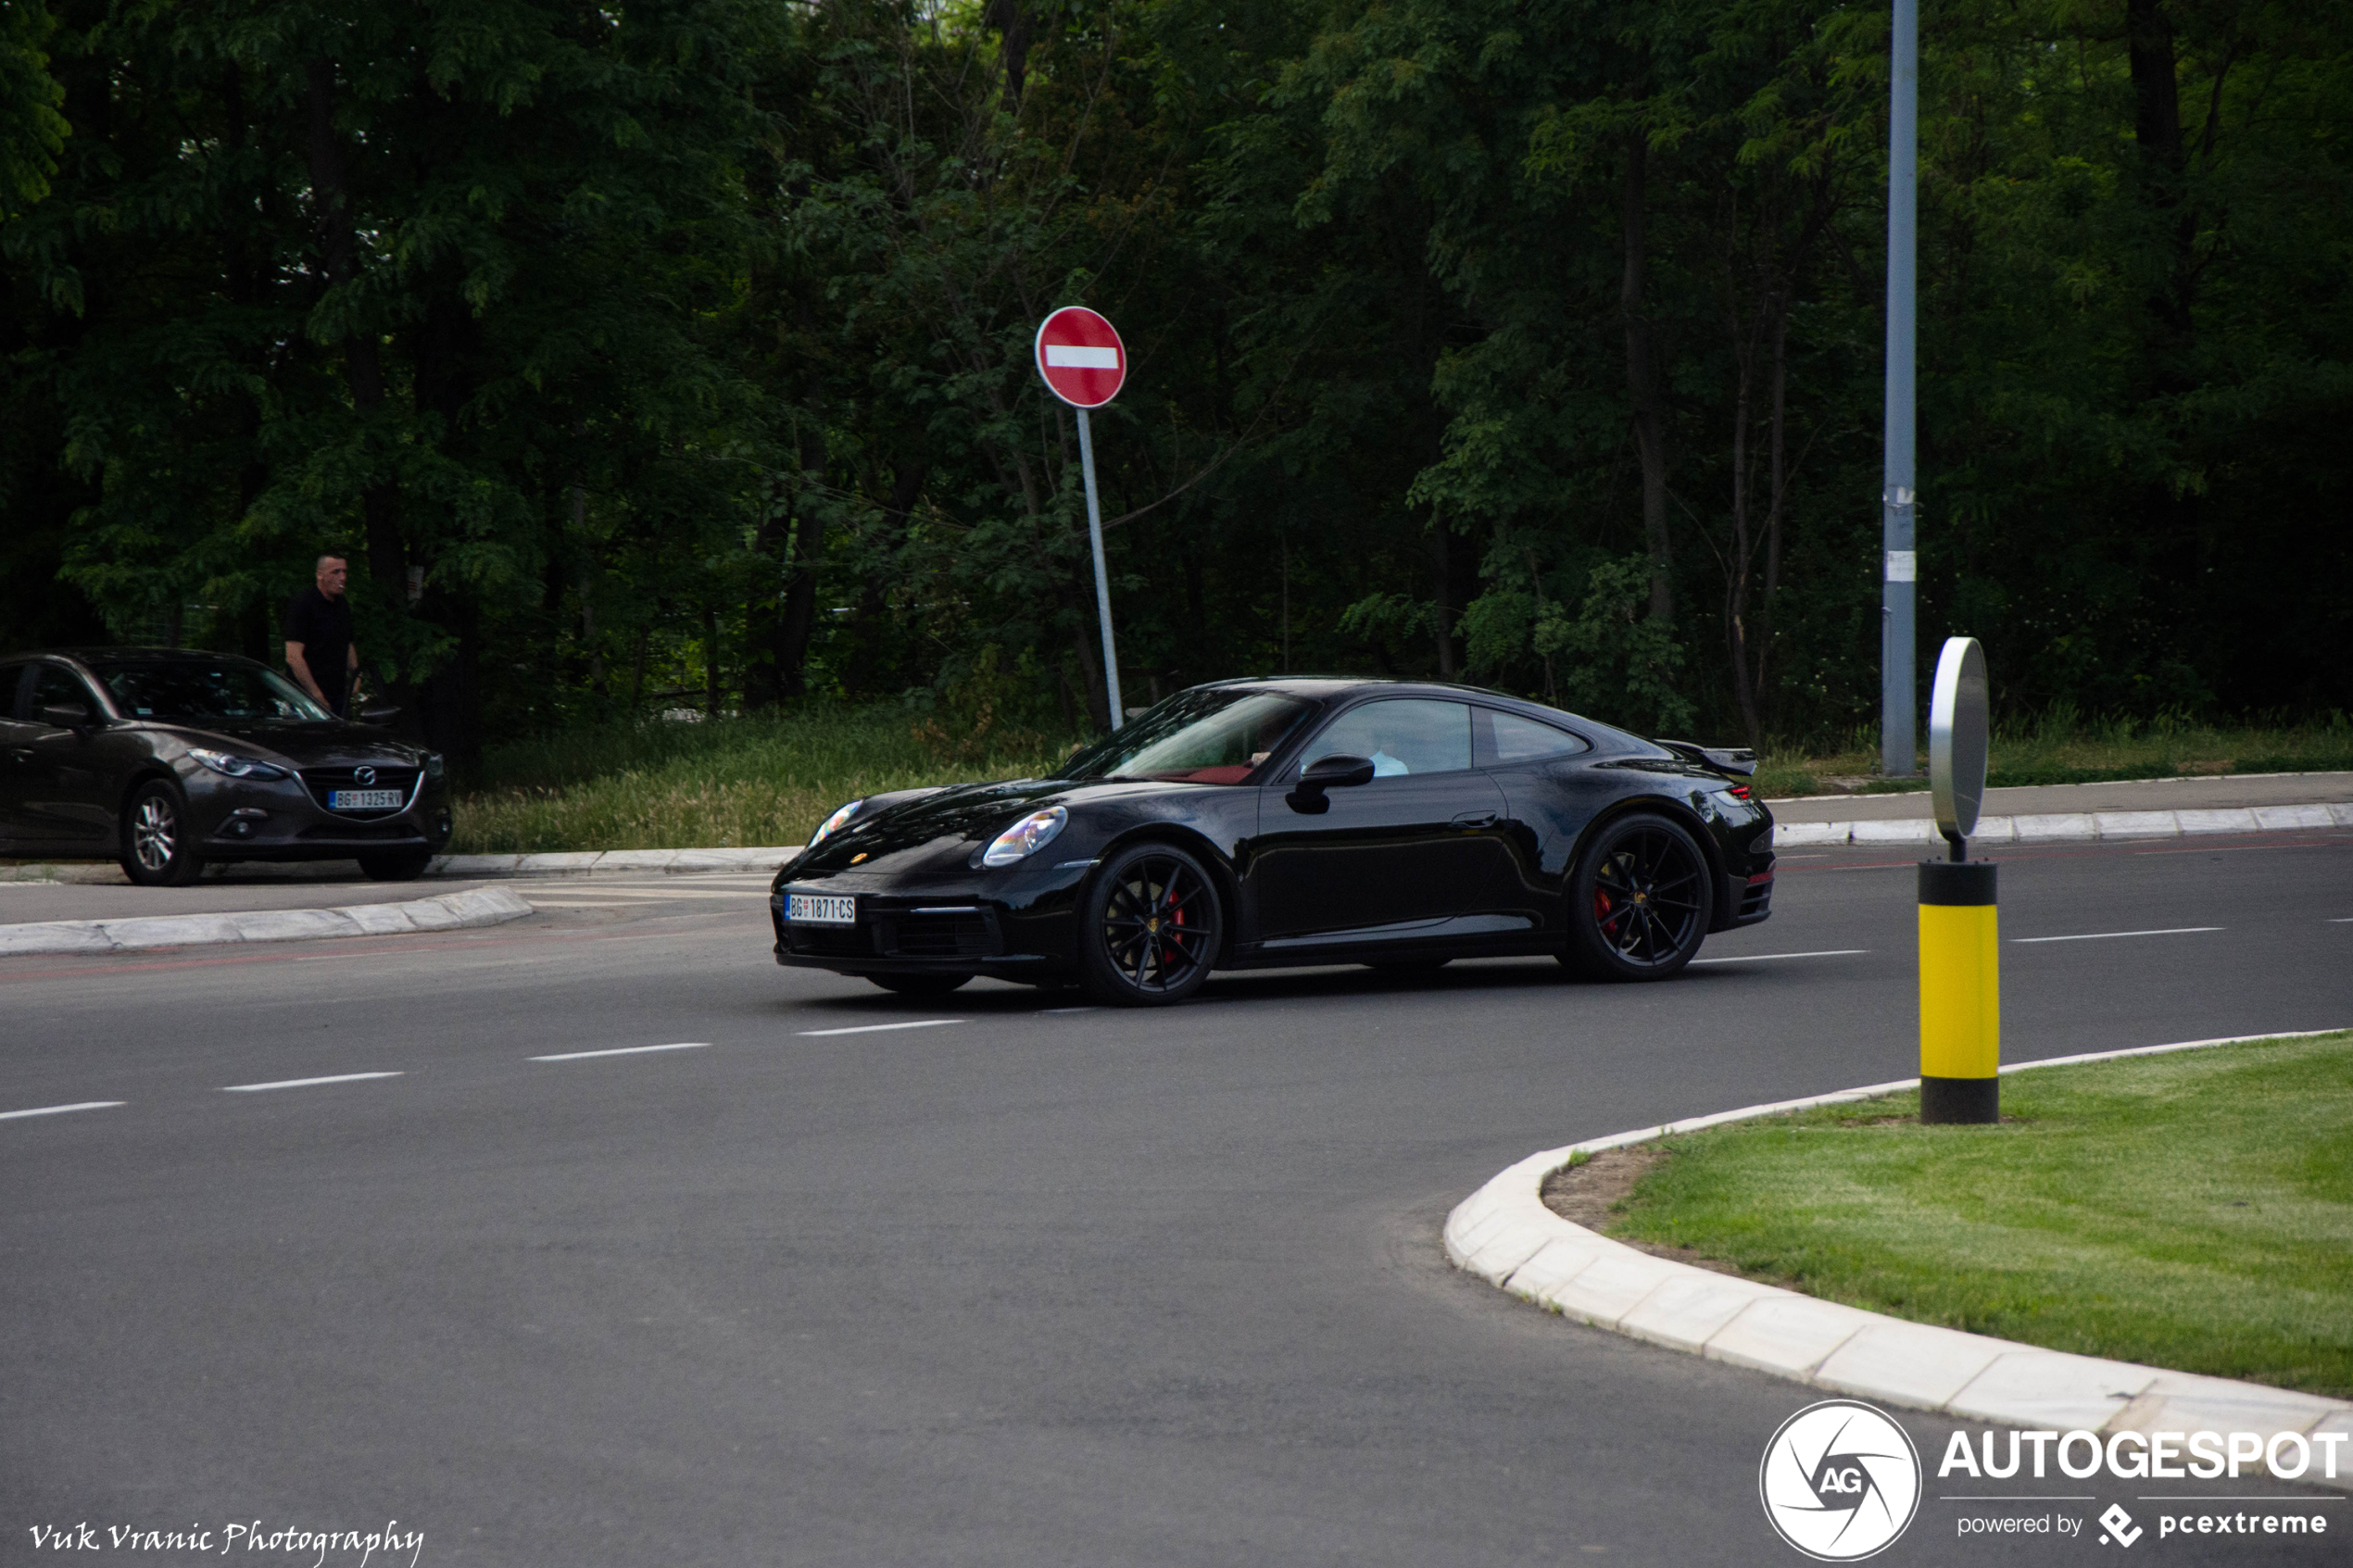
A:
(364, 777)
(1840, 1481)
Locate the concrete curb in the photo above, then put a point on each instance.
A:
(1504, 1234)
(472, 868)
(448, 912)
(2073, 827)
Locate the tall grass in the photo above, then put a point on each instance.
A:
(2063, 745)
(736, 782)
(746, 781)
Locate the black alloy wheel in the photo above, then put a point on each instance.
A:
(1150, 928)
(1639, 904)
(156, 834)
(397, 865)
(919, 984)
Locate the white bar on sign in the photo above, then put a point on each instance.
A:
(1077, 357)
(1901, 566)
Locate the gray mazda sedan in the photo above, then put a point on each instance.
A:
(169, 760)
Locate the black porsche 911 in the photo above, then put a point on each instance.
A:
(169, 760)
(1263, 823)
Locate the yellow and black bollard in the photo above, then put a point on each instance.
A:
(1960, 993)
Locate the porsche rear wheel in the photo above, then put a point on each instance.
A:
(1150, 928)
(1639, 904)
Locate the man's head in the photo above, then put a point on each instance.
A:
(333, 570)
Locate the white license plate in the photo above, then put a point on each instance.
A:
(363, 799)
(821, 909)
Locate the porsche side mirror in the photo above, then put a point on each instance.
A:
(1337, 772)
(66, 715)
(379, 715)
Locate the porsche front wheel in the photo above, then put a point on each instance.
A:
(1149, 929)
(1639, 904)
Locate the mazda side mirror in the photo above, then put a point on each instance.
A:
(378, 715)
(66, 715)
(1337, 772)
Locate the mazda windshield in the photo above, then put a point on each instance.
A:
(182, 688)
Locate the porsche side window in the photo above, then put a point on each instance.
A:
(11, 687)
(1402, 735)
(1525, 740)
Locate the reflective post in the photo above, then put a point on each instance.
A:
(1898, 498)
(1102, 576)
(1961, 942)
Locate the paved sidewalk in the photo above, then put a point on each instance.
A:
(446, 911)
(1505, 1234)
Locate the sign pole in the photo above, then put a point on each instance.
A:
(1102, 577)
(1898, 498)
(1961, 946)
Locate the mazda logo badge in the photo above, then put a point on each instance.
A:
(363, 777)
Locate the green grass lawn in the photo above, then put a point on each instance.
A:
(2192, 1210)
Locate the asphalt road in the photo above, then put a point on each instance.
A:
(1021, 1285)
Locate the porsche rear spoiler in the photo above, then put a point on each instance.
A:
(1739, 761)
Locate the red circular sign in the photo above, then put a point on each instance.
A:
(1081, 356)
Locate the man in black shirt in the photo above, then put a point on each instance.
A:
(319, 652)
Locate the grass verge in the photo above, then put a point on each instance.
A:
(2193, 1210)
(726, 782)
(2061, 748)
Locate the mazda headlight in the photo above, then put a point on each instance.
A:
(234, 766)
(1025, 837)
(834, 824)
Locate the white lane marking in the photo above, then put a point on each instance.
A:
(61, 1109)
(878, 1028)
(625, 1050)
(302, 1083)
(2104, 936)
(1759, 958)
(2341, 920)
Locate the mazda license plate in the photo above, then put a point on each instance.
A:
(363, 799)
(821, 909)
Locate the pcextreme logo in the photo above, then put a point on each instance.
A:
(1840, 1480)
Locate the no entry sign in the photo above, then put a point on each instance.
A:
(1081, 356)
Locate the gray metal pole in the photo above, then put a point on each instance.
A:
(1102, 577)
(1898, 497)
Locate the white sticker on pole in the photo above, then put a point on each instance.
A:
(1081, 358)
(1901, 566)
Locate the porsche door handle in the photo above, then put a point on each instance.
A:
(1476, 820)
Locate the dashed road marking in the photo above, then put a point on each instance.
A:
(625, 1050)
(61, 1109)
(2104, 936)
(878, 1028)
(303, 1082)
(1759, 958)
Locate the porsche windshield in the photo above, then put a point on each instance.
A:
(1212, 736)
(181, 688)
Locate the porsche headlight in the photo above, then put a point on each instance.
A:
(1025, 837)
(834, 824)
(234, 766)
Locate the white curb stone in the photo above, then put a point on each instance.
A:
(476, 907)
(2139, 824)
(2068, 827)
(2278, 817)
(1505, 1234)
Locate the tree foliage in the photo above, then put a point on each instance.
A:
(677, 353)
